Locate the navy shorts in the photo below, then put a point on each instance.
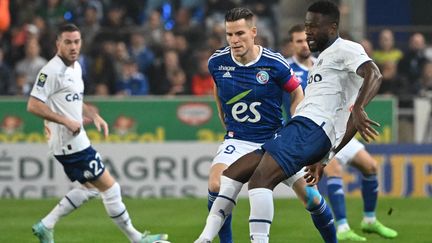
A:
(82, 166)
(301, 142)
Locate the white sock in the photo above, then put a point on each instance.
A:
(117, 211)
(71, 201)
(369, 220)
(343, 227)
(261, 214)
(222, 207)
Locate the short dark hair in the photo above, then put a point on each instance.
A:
(239, 13)
(295, 29)
(68, 27)
(326, 8)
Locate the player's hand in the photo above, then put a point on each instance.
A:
(73, 126)
(100, 124)
(314, 173)
(363, 124)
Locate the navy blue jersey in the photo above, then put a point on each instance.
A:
(301, 73)
(251, 94)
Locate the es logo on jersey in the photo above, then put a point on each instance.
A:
(42, 79)
(262, 77)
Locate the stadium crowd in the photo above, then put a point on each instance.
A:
(161, 47)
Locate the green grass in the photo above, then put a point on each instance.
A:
(184, 219)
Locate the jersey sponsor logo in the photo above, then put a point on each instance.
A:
(226, 68)
(227, 75)
(262, 77)
(240, 108)
(71, 97)
(42, 79)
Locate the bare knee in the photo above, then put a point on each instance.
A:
(214, 177)
(333, 169)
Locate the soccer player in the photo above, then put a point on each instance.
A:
(322, 123)
(250, 81)
(353, 153)
(57, 97)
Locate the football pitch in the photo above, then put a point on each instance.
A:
(183, 220)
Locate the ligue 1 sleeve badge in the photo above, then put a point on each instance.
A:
(262, 77)
(42, 79)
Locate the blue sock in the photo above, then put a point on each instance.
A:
(370, 194)
(225, 233)
(336, 198)
(322, 218)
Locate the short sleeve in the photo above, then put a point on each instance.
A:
(355, 56)
(44, 86)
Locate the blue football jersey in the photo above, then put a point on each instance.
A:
(251, 94)
(301, 73)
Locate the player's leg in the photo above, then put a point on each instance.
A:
(367, 165)
(315, 204)
(225, 233)
(261, 184)
(71, 201)
(336, 198)
(282, 159)
(110, 192)
(232, 181)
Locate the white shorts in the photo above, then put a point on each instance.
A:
(232, 149)
(348, 152)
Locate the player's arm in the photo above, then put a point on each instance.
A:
(297, 95)
(221, 114)
(359, 120)
(100, 123)
(39, 108)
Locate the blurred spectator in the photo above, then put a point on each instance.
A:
(6, 77)
(177, 80)
(102, 71)
(411, 65)
(140, 52)
(158, 73)
(386, 51)
(53, 12)
(30, 65)
(389, 83)
(202, 81)
(120, 55)
(426, 80)
(368, 47)
(89, 27)
(153, 29)
(116, 23)
(80, 7)
(4, 15)
(214, 42)
(132, 82)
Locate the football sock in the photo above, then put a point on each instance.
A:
(337, 201)
(222, 207)
(71, 201)
(225, 233)
(117, 211)
(370, 196)
(261, 214)
(323, 220)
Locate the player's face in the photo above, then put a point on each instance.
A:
(240, 36)
(300, 45)
(318, 29)
(69, 46)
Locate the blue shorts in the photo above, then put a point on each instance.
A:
(82, 166)
(301, 142)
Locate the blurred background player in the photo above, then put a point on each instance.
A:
(248, 93)
(57, 97)
(353, 153)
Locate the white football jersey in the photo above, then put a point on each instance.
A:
(333, 86)
(61, 87)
